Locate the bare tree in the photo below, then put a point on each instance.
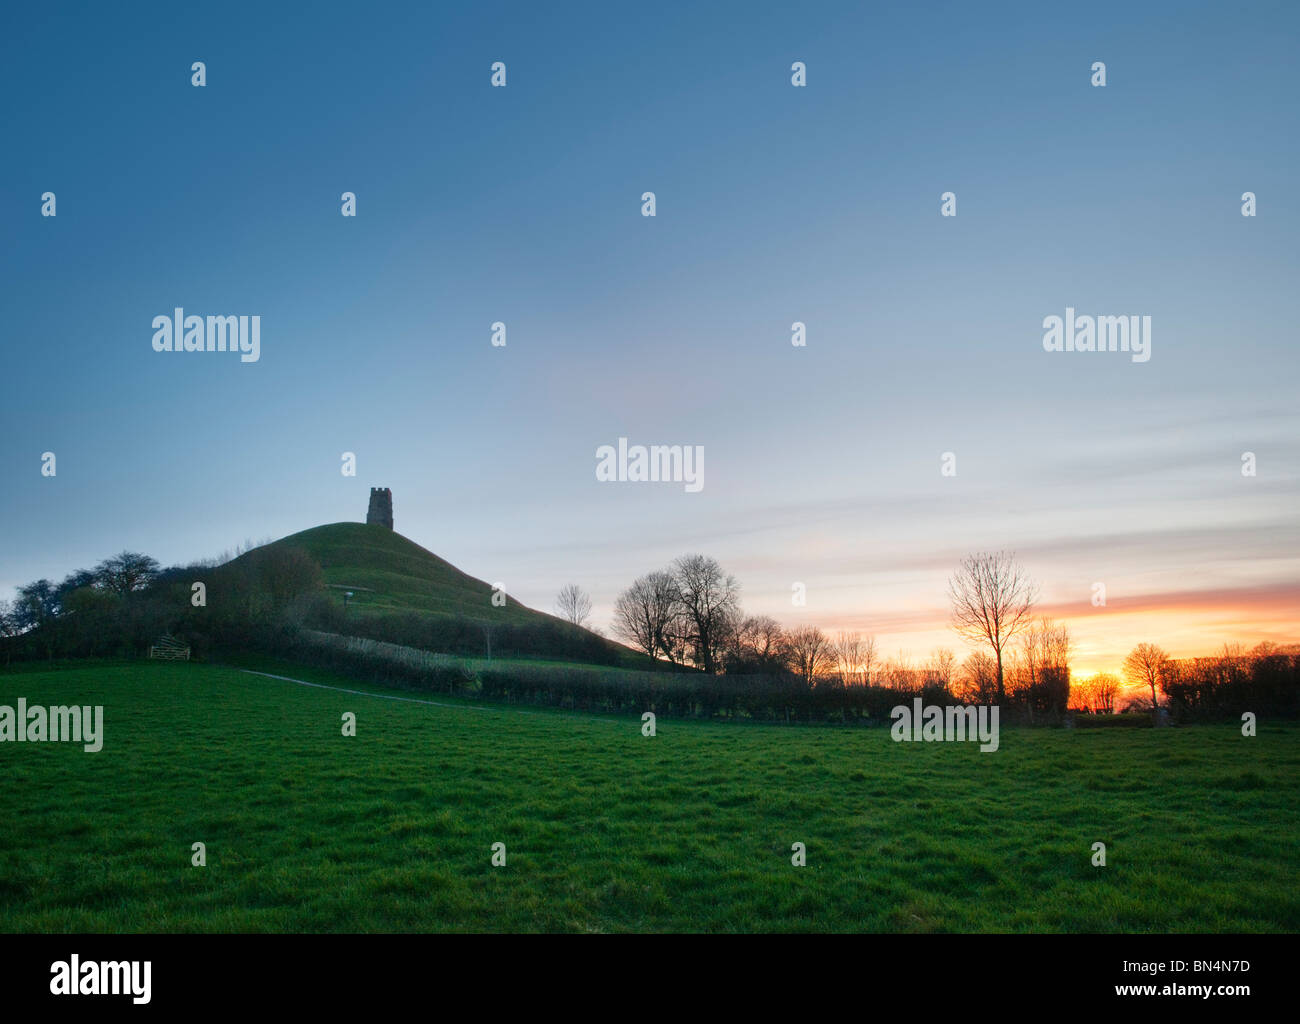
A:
(573, 604)
(633, 620)
(1105, 689)
(645, 612)
(710, 599)
(942, 668)
(1147, 664)
(1234, 665)
(899, 672)
(674, 629)
(1041, 674)
(855, 657)
(977, 679)
(810, 652)
(869, 659)
(757, 644)
(1046, 647)
(1099, 692)
(991, 602)
(848, 655)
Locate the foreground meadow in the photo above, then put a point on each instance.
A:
(606, 830)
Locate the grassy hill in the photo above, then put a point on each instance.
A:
(387, 572)
(278, 593)
(390, 575)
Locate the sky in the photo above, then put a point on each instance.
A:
(774, 204)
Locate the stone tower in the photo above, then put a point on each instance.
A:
(381, 507)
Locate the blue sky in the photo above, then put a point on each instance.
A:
(775, 204)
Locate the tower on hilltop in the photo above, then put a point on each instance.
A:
(381, 507)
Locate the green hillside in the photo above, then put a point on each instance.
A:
(386, 572)
(391, 578)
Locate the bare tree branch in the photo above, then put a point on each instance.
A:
(992, 599)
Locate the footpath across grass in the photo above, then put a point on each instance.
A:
(607, 830)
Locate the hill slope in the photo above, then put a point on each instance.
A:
(391, 577)
(387, 572)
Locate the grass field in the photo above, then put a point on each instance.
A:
(607, 830)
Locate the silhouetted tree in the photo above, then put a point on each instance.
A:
(1042, 677)
(37, 604)
(977, 679)
(126, 573)
(1098, 693)
(941, 669)
(74, 581)
(645, 612)
(756, 646)
(1146, 664)
(854, 656)
(710, 599)
(809, 652)
(991, 602)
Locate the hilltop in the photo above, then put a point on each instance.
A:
(404, 593)
(387, 572)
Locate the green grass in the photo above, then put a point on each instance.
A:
(609, 831)
(390, 573)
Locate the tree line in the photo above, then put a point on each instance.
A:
(121, 606)
(686, 618)
(689, 614)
